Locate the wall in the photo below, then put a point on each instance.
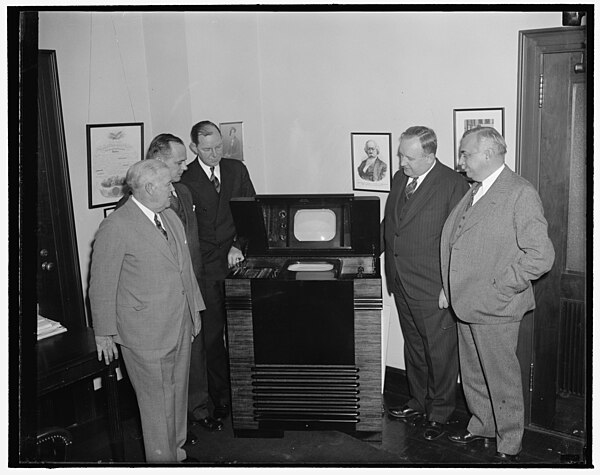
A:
(300, 82)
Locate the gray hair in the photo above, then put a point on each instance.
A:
(426, 136)
(376, 146)
(143, 172)
(490, 136)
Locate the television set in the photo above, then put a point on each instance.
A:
(315, 224)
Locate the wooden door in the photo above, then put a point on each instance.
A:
(551, 154)
(59, 289)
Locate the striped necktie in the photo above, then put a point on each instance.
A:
(410, 188)
(474, 190)
(214, 179)
(159, 226)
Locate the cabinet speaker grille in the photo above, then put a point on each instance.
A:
(306, 393)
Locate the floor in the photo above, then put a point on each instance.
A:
(401, 444)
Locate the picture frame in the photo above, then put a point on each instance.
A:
(107, 211)
(466, 119)
(377, 174)
(111, 150)
(233, 140)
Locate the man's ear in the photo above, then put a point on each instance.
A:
(149, 187)
(194, 148)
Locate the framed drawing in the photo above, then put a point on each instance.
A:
(111, 150)
(233, 139)
(371, 161)
(107, 211)
(466, 119)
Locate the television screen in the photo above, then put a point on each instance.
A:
(314, 225)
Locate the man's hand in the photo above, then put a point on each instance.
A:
(442, 300)
(106, 346)
(234, 257)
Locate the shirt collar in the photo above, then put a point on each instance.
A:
(147, 211)
(489, 181)
(420, 178)
(206, 169)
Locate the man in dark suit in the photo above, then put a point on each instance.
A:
(171, 150)
(414, 215)
(494, 243)
(213, 181)
(145, 297)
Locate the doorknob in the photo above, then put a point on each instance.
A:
(48, 266)
(580, 67)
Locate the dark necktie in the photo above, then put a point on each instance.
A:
(410, 188)
(159, 226)
(474, 190)
(214, 179)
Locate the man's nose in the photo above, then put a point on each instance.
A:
(402, 161)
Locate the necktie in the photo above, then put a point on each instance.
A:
(410, 188)
(214, 179)
(159, 226)
(474, 190)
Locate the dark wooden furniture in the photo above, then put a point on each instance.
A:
(305, 346)
(65, 359)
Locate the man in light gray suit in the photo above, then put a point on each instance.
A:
(494, 243)
(144, 296)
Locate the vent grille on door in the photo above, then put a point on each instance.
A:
(571, 356)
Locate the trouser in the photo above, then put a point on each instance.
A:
(160, 381)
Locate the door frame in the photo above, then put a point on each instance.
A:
(532, 45)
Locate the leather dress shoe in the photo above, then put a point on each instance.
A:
(221, 412)
(468, 438)
(191, 439)
(208, 423)
(433, 430)
(404, 413)
(506, 458)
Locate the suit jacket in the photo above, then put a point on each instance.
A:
(503, 244)
(138, 287)
(216, 229)
(375, 172)
(188, 218)
(412, 231)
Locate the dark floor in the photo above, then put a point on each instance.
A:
(401, 444)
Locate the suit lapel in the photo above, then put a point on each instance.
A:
(485, 206)
(423, 194)
(148, 231)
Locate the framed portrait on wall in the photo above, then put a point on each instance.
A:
(233, 140)
(111, 150)
(466, 119)
(371, 161)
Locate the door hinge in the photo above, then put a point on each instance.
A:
(531, 377)
(541, 91)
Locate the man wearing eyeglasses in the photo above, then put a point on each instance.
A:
(494, 243)
(213, 181)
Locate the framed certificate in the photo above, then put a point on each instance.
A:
(111, 150)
